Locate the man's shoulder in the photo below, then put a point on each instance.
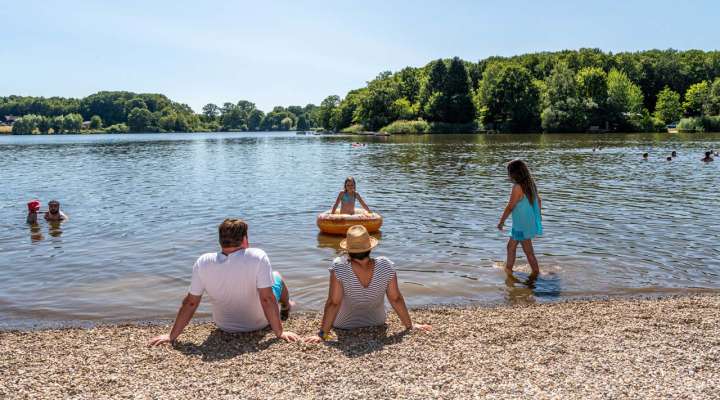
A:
(206, 258)
(254, 252)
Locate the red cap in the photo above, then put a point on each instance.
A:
(34, 205)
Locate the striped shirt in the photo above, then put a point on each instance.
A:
(362, 306)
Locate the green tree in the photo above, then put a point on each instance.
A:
(408, 83)
(24, 125)
(210, 111)
(624, 101)
(459, 107)
(507, 99)
(325, 112)
(96, 122)
(140, 120)
(592, 87)
(668, 108)
(432, 99)
(57, 124)
(43, 124)
(563, 109)
(697, 100)
(255, 119)
(72, 123)
(714, 98)
(302, 124)
(375, 108)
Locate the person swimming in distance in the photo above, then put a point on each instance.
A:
(673, 154)
(645, 156)
(668, 158)
(54, 213)
(708, 157)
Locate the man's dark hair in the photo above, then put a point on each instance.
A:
(231, 232)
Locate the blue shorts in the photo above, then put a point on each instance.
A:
(277, 285)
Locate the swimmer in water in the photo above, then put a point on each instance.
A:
(33, 208)
(54, 213)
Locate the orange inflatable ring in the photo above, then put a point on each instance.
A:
(338, 224)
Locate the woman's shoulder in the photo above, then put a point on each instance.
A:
(384, 262)
(339, 264)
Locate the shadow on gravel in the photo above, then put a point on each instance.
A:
(358, 342)
(221, 345)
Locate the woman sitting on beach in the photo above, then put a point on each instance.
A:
(347, 198)
(358, 286)
(525, 206)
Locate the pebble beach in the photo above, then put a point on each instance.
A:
(600, 349)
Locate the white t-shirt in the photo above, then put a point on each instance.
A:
(232, 283)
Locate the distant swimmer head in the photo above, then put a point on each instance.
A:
(54, 206)
(673, 154)
(520, 174)
(645, 156)
(669, 159)
(33, 206)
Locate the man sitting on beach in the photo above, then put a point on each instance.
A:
(244, 290)
(54, 214)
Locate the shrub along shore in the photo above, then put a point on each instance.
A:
(622, 348)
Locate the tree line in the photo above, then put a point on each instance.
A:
(121, 112)
(566, 91)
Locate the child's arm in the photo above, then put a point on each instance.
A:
(362, 202)
(515, 196)
(337, 201)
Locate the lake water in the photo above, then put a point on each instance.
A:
(143, 207)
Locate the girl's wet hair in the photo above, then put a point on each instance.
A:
(349, 179)
(520, 174)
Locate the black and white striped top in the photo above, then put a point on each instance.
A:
(362, 306)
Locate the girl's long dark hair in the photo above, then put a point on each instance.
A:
(520, 174)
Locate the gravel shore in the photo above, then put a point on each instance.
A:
(628, 348)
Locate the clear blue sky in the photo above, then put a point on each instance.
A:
(298, 52)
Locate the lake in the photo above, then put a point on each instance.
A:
(143, 207)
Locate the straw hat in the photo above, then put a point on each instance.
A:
(358, 240)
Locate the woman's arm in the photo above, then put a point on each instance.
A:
(362, 202)
(515, 196)
(337, 201)
(397, 301)
(332, 306)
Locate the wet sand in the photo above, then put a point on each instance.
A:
(627, 348)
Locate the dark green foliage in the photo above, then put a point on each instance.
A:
(302, 123)
(507, 98)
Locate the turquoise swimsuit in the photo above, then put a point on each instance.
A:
(526, 220)
(346, 198)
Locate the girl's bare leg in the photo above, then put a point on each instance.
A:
(530, 254)
(510, 262)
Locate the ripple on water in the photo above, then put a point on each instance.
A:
(143, 207)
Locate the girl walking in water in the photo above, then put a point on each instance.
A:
(347, 198)
(525, 206)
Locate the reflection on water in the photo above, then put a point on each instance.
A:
(144, 207)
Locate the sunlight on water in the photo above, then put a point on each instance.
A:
(144, 207)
